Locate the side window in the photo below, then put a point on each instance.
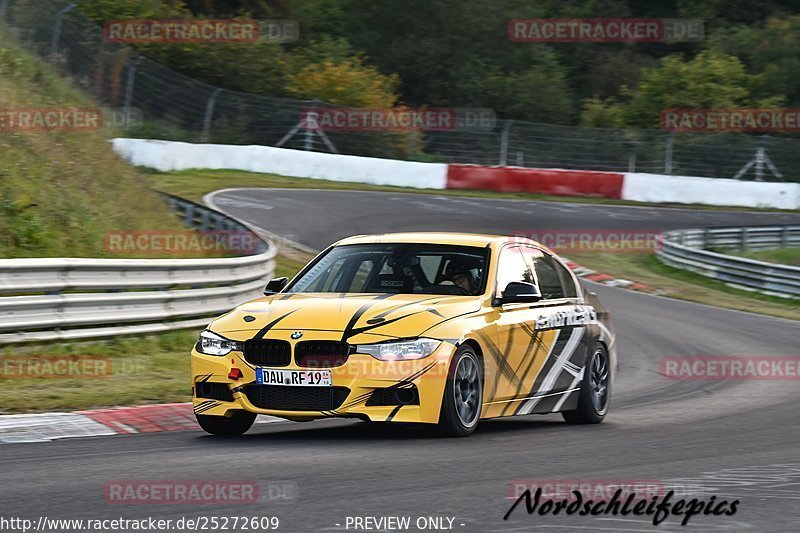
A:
(570, 291)
(547, 276)
(512, 267)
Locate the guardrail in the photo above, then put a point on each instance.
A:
(128, 295)
(689, 250)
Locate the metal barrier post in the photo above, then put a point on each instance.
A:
(57, 28)
(209, 113)
(504, 143)
(129, 88)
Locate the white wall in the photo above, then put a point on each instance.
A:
(709, 191)
(169, 155)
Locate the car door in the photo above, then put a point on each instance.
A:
(521, 351)
(560, 311)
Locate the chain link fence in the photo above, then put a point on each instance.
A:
(173, 106)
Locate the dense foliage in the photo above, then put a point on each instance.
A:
(457, 53)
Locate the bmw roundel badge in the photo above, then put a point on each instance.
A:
(297, 334)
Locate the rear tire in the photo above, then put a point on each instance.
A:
(463, 395)
(236, 424)
(595, 391)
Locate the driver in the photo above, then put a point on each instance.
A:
(461, 276)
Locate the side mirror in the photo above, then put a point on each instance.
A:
(520, 292)
(275, 285)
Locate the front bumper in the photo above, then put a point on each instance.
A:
(353, 392)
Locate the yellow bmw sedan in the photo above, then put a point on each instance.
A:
(445, 329)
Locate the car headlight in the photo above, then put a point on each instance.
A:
(400, 350)
(212, 344)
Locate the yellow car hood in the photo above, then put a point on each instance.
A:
(389, 315)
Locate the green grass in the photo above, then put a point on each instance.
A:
(149, 369)
(783, 256)
(684, 285)
(62, 191)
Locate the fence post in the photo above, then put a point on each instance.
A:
(212, 100)
(188, 216)
(411, 143)
(632, 162)
(744, 239)
(57, 28)
(504, 143)
(668, 154)
(129, 88)
(309, 136)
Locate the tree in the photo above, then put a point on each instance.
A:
(710, 80)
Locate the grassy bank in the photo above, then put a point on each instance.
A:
(62, 191)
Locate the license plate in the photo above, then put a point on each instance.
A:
(293, 378)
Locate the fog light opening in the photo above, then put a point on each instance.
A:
(404, 396)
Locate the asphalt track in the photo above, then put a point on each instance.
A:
(731, 439)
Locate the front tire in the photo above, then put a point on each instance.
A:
(595, 391)
(236, 424)
(463, 395)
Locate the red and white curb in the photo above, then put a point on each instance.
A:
(101, 422)
(611, 281)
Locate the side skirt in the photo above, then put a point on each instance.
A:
(546, 403)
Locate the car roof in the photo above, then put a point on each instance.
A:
(457, 239)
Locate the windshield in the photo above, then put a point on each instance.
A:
(397, 268)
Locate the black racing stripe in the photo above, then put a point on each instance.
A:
(356, 331)
(205, 406)
(394, 412)
(201, 404)
(528, 329)
(265, 329)
(435, 312)
(403, 382)
(205, 378)
(355, 401)
(418, 373)
(536, 340)
(502, 358)
(547, 404)
(395, 308)
(495, 351)
(501, 362)
(563, 338)
(348, 330)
